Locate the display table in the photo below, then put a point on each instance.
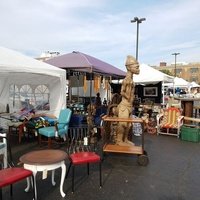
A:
(43, 161)
(187, 104)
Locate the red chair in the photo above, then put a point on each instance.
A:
(9, 176)
(80, 151)
(82, 157)
(12, 175)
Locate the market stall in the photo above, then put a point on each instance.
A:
(25, 81)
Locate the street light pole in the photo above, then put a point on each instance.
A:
(138, 21)
(175, 55)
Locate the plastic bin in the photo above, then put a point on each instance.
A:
(190, 133)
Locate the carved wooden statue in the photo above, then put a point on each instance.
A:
(124, 108)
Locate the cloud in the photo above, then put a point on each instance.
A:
(102, 28)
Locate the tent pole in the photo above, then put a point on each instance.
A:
(90, 90)
(78, 88)
(69, 86)
(163, 93)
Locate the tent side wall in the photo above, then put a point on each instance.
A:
(56, 87)
(57, 95)
(18, 69)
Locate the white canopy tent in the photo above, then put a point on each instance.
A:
(178, 82)
(19, 70)
(193, 84)
(149, 75)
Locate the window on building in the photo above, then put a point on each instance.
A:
(178, 71)
(194, 70)
(195, 79)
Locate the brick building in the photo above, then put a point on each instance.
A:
(188, 71)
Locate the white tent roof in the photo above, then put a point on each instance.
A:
(150, 75)
(16, 68)
(193, 84)
(178, 82)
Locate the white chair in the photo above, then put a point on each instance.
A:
(174, 103)
(169, 122)
(196, 108)
(3, 149)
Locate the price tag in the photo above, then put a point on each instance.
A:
(85, 141)
(56, 134)
(36, 133)
(44, 174)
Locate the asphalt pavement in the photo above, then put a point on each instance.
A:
(173, 173)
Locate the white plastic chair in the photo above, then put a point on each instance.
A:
(3, 149)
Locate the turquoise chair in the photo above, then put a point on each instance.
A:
(59, 130)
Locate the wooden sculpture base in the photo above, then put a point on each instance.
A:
(129, 149)
(122, 149)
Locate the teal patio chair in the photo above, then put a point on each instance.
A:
(59, 130)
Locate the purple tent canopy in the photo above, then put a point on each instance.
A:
(82, 62)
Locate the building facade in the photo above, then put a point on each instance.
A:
(188, 71)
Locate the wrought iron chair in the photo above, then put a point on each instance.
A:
(169, 122)
(59, 130)
(81, 152)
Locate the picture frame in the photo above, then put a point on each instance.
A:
(150, 92)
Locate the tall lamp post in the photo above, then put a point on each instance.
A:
(138, 21)
(175, 55)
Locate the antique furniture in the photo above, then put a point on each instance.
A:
(43, 161)
(110, 147)
(3, 149)
(9, 176)
(59, 130)
(188, 106)
(80, 158)
(18, 127)
(81, 151)
(169, 122)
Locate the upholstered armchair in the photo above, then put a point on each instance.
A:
(59, 130)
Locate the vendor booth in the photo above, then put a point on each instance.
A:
(150, 84)
(26, 82)
(86, 76)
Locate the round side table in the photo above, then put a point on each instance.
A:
(43, 161)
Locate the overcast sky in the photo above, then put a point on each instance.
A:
(102, 28)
